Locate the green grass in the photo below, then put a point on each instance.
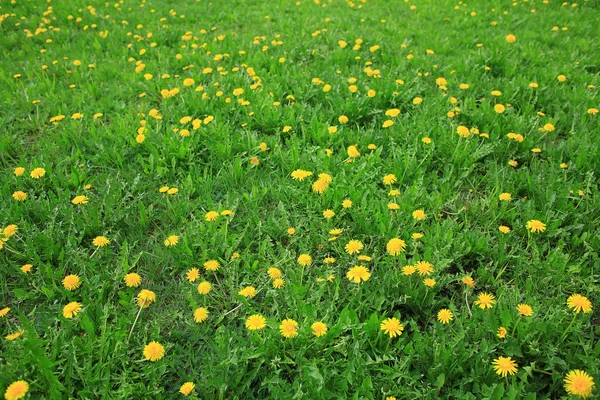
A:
(456, 181)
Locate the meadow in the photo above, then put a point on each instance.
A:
(294, 199)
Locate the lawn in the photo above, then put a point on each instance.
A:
(324, 199)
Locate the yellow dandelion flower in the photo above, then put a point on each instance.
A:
(319, 329)
(354, 247)
(504, 366)
(256, 322)
(248, 292)
(419, 215)
(37, 173)
(15, 335)
(192, 274)
(445, 316)
(395, 246)
(100, 241)
(187, 388)
(211, 216)
(212, 265)
(16, 390)
(132, 280)
(71, 309)
(274, 273)
(19, 195)
(288, 328)
(204, 287)
(389, 179)
(392, 327)
(200, 314)
(358, 274)
(579, 303)
(536, 226)
(501, 332)
(71, 282)
(525, 310)
(469, 281)
(579, 383)
(172, 240)
(80, 200)
(154, 351)
(485, 300)
(304, 259)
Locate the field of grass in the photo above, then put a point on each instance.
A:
(188, 187)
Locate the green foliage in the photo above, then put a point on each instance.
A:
(456, 181)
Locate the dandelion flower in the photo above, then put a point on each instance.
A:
(408, 270)
(71, 309)
(15, 335)
(100, 241)
(347, 203)
(395, 246)
(392, 327)
(277, 283)
(154, 351)
(291, 231)
(187, 388)
(211, 216)
(424, 268)
(469, 281)
(16, 390)
(19, 171)
(536, 226)
(274, 273)
(353, 152)
(358, 273)
(145, 297)
(171, 240)
(463, 131)
(505, 196)
(19, 195)
(304, 259)
(80, 200)
(429, 282)
(328, 214)
(504, 366)
(320, 186)
(132, 280)
(248, 292)
(319, 329)
(485, 300)
(579, 383)
(4, 311)
(525, 310)
(445, 316)
(504, 229)
(354, 247)
(37, 173)
(419, 215)
(389, 179)
(71, 282)
(501, 332)
(288, 328)
(204, 287)
(26, 268)
(579, 303)
(192, 274)
(200, 314)
(256, 322)
(510, 38)
(10, 230)
(212, 265)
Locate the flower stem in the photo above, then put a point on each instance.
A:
(566, 332)
(136, 319)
